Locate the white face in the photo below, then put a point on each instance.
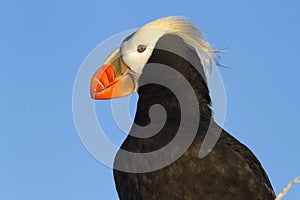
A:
(138, 49)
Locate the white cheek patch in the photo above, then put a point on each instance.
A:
(136, 61)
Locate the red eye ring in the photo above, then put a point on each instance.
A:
(141, 48)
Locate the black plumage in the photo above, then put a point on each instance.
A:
(229, 171)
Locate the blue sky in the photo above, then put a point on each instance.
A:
(42, 45)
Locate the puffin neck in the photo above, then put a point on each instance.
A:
(171, 51)
(153, 93)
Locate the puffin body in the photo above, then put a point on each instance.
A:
(229, 171)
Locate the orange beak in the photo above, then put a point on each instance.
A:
(114, 79)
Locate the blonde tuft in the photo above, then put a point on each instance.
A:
(191, 35)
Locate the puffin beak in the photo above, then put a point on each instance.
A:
(114, 79)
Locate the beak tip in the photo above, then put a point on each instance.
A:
(92, 94)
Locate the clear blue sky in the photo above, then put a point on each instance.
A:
(42, 45)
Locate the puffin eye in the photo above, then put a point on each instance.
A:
(141, 48)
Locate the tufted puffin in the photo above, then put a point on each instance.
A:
(229, 171)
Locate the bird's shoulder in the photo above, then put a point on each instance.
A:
(247, 156)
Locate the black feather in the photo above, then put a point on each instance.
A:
(229, 171)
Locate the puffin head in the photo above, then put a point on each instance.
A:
(120, 72)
